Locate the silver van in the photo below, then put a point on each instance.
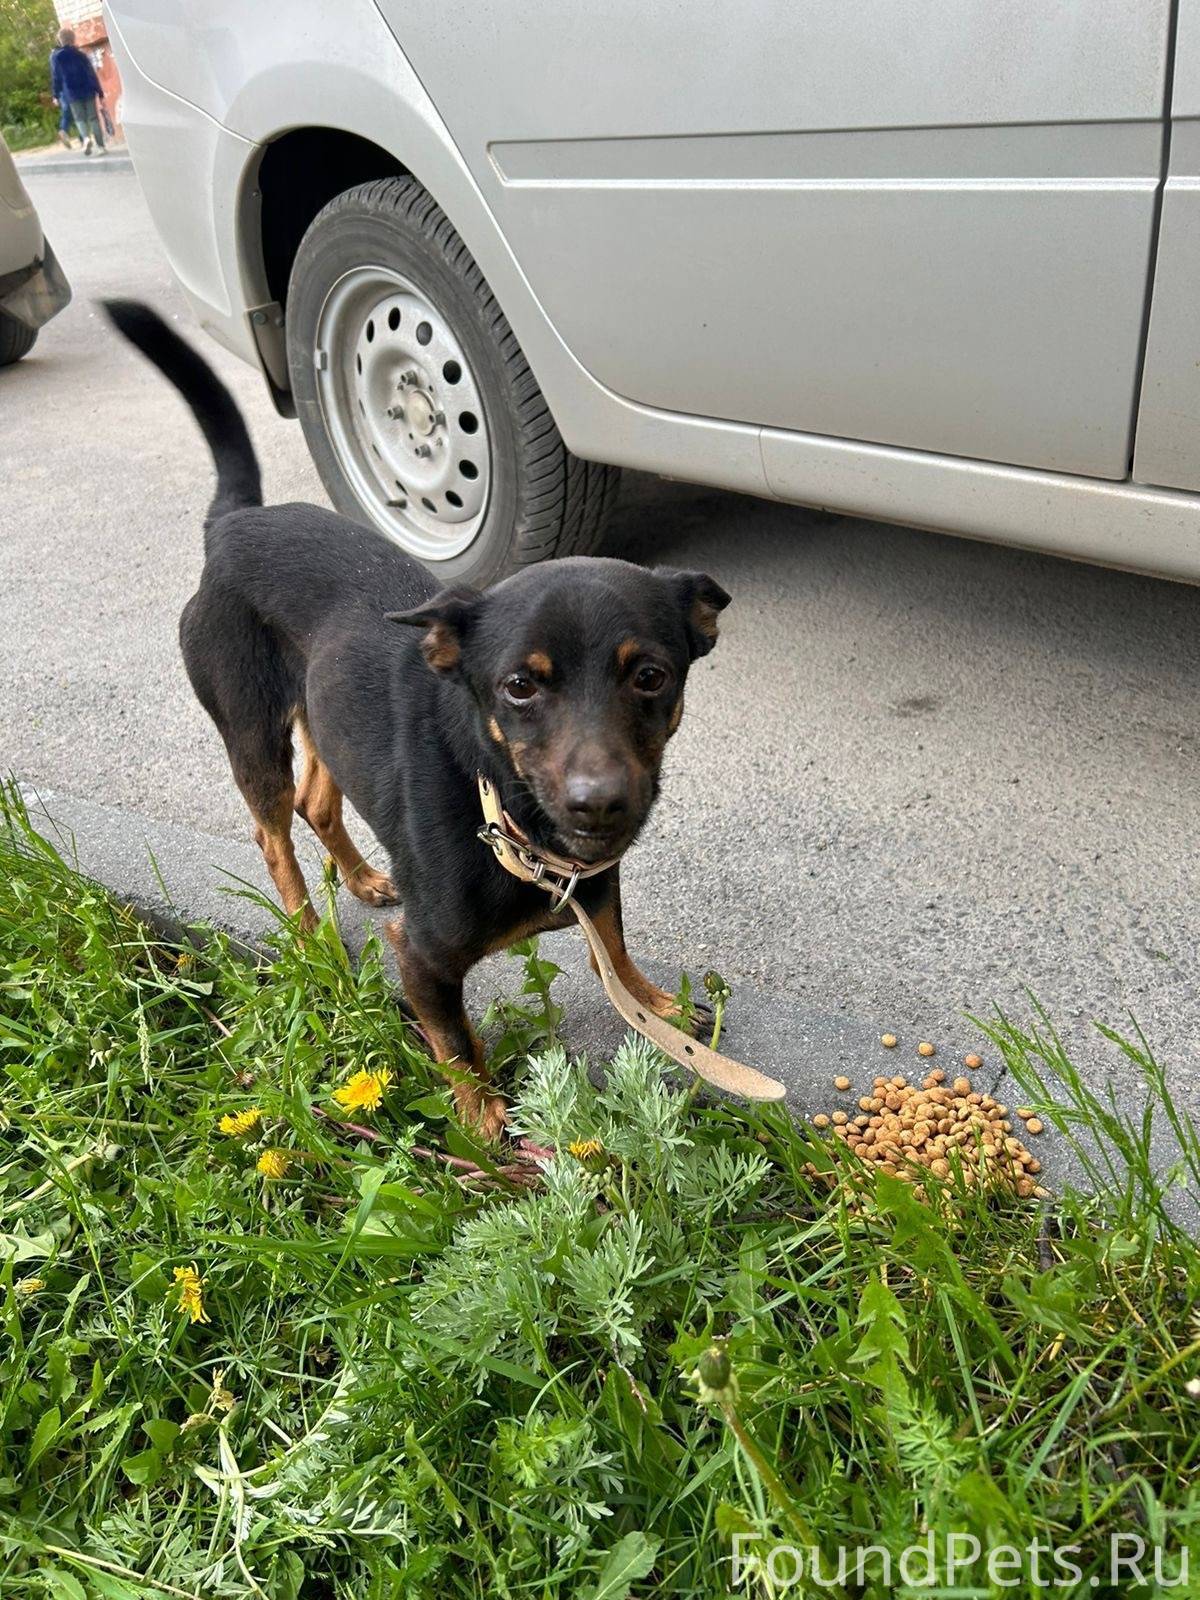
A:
(934, 264)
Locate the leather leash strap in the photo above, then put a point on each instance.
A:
(558, 876)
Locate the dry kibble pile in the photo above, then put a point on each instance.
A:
(942, 1126)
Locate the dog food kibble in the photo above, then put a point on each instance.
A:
(1024, 1112)
(888, 1041)
(925, 1048)
(841, 1083)
(973, 1063)
(950, 1129)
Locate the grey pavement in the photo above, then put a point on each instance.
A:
(917, 778)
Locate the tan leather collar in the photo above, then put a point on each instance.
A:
(558, 876)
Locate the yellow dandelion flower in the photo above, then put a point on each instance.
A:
(30, 1286)
(191, 1298)
(274, 1163)
(586, 1149)
(364, 1092)
(238, 1122)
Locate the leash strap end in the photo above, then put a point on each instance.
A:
(723, 1073)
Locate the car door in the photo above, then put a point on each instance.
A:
(1168, 434)
(895, 221)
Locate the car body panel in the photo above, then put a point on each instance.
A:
(181, 151)
(821, 326)
(1150, 530)
(20, 230)
(1168, 429)
(371, 91)
(889, 222)
(273, 68)
(33, 287)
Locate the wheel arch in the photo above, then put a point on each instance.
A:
(360, 130)
(294, 177)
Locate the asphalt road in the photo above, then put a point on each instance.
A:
(917, 777)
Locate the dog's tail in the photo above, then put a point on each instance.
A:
(238, 480)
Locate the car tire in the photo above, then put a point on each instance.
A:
(16, 340)
(417, 404)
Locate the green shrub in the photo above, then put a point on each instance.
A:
(27, 31)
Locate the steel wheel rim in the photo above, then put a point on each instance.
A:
(403, 412)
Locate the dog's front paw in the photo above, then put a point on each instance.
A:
(696, 1019)
(481, 1111)
(373, 888)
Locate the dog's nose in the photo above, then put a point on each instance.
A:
(597, 799)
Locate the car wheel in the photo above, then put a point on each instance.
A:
(417, 404)
(16, 340)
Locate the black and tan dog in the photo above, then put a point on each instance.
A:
(561, 685)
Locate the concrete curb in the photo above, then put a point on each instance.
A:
(177, 878)
(117, 161)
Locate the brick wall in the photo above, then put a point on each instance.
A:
(91, 35)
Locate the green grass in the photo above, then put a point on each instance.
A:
(418, 1382)
(30, 135)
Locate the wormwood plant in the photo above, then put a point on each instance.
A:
(272, 1325)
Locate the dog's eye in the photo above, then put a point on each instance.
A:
(649, 679)
(519, 688)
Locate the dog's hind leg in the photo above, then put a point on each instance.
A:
(273, 835)
(262, 770)
(247, 687)
(319, 802)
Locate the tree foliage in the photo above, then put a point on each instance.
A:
(27, 29)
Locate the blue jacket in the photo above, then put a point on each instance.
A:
(72, 76)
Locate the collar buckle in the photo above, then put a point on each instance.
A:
(559, 884)
(565, 896)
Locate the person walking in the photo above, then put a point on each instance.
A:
(73, 82)
(65, 123)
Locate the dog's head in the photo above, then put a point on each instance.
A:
(576, 669)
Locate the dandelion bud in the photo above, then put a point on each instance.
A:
(715, 986)
(714, 1375)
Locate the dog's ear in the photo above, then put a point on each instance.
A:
(446, 619)
(701, 600)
